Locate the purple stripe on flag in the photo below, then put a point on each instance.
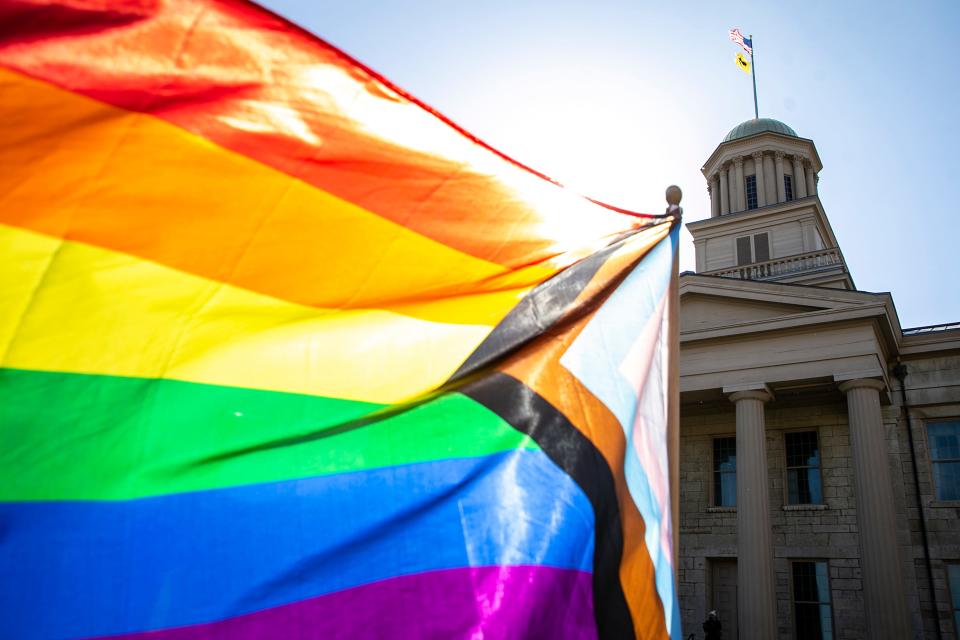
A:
(482, 602)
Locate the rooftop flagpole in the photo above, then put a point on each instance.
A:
(753, 72)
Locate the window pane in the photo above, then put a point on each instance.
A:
(826, 622)
(728, 490)
(811, 597)
(808, 621)
(788, 187)
(793, 487)
(725, 454)
(944, 440)
(814, 487)
(823, 587)
(946, 479)
(804, 582)
(761, 246)
(798, 486)
(725, 472)
(743, 251)
(802, 449)
(803, 484)
(953, 576)
(751, 189)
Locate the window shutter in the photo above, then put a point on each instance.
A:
(761, 247)
(743, 251)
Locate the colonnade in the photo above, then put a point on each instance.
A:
(727, 187)
(883, 587)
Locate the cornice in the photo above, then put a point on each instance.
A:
(799, 206)
(749, 144)
(775, 292)
(785, 323)
(922, 345)
(797, 293)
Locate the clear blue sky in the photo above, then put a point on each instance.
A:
(620, 99)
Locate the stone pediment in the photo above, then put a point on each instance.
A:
(702, 311)
(712, 306)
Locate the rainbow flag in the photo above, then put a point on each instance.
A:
(287, 354)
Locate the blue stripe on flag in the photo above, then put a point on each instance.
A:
(101, 568)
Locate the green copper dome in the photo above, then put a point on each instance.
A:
(759, 125)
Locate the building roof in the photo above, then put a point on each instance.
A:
(759, 125)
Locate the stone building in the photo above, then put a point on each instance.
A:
(801, 513)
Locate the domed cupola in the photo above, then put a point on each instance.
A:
(766, 220)
(759, 125)
(760, 163)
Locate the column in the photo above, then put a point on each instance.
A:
(781, 192)
(756, 599)
(811, 182)
(724, 192)
(713, 190)
(799, 182)
(741, 196)
(758, 168)
(883, 592)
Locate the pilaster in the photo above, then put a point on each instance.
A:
(714, 191)
(778, 160)
(741, 197)
(811, 181)
(724, 191)
(799, 181)
(758, 170)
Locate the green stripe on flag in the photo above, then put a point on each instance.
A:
(92, 437)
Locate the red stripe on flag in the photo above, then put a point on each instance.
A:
(254, 83)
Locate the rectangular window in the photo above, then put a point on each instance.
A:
(751, 192)
(743, 251)
(953, 578)
(803, 468)
(761, 247)
(752, 249)
(944, 438)
(725, 472)
(812, 616)
(788, 187)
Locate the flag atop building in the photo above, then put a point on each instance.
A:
(288, 354)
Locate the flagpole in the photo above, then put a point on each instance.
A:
(753, 72)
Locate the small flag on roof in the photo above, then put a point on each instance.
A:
(746, 43)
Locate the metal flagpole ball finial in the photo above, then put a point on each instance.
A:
(674, 195)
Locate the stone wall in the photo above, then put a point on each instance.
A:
(933, 391)
(828, 532)
(822, 532)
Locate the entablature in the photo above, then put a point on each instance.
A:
(767, 142)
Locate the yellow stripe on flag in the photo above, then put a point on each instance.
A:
(83, 309)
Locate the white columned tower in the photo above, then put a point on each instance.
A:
(767, 236)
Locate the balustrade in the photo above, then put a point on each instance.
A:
(781, 266)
